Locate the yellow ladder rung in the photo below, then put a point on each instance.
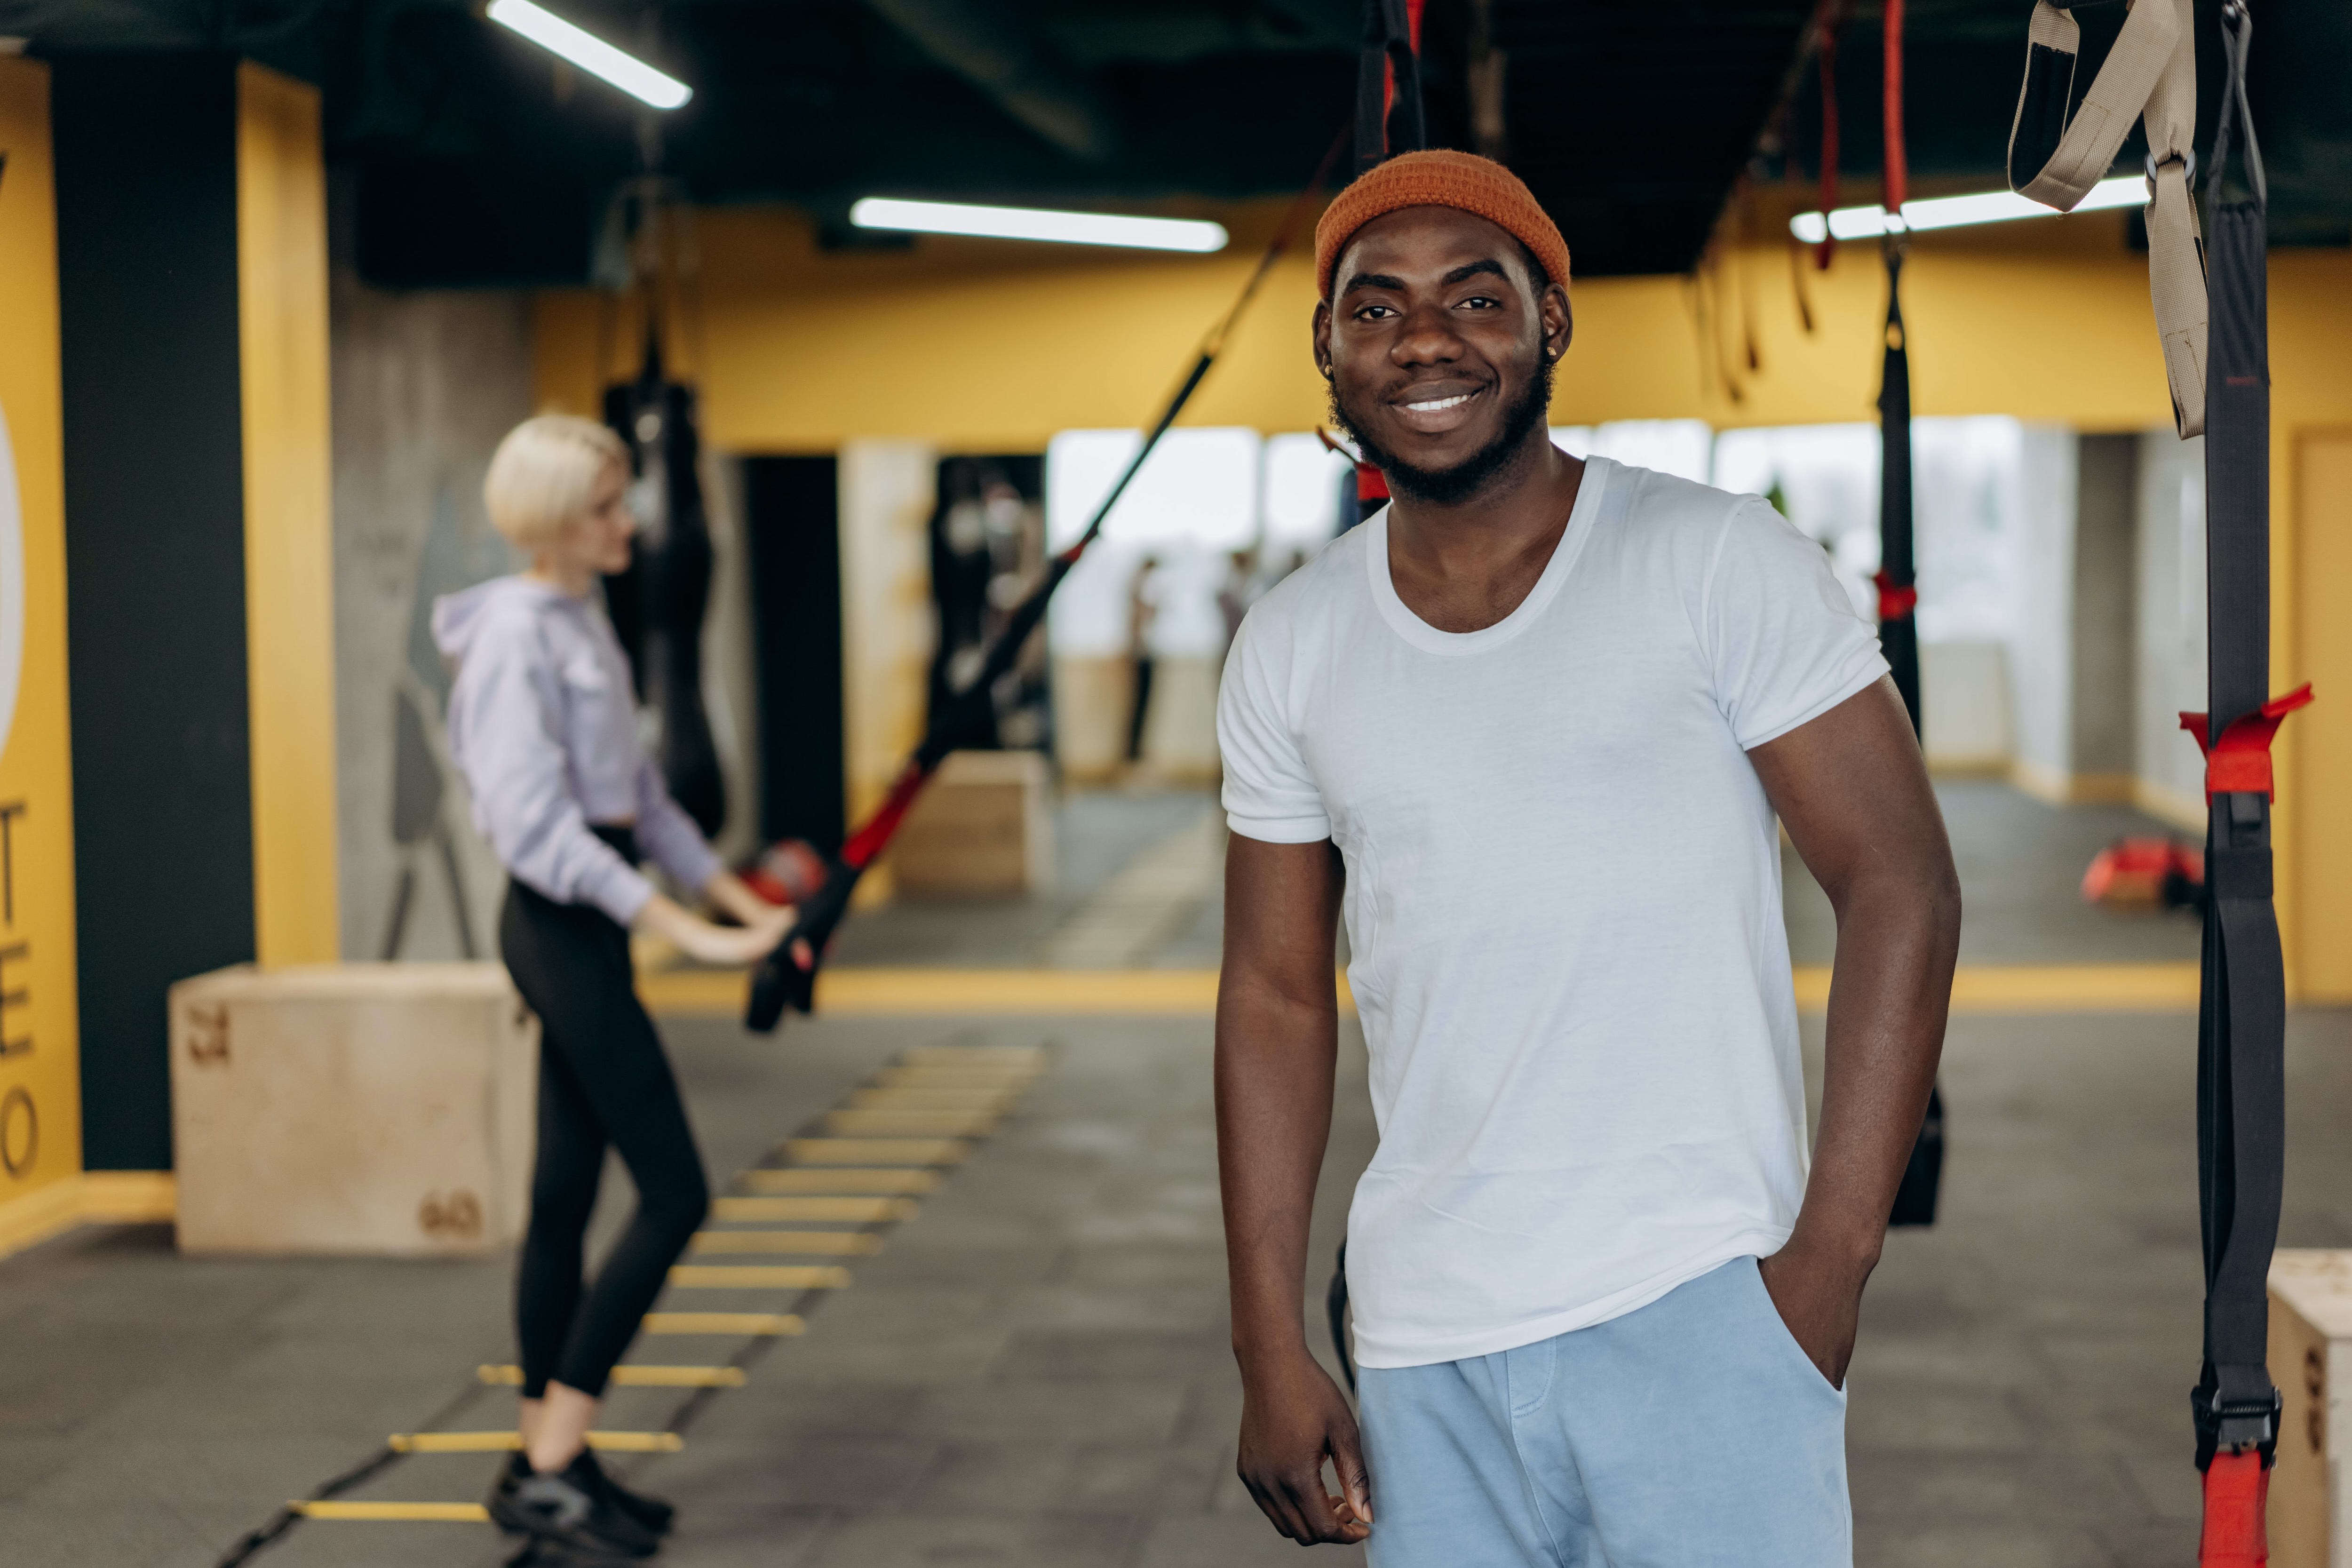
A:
(634, 1376)
(759, 1277)
(507, 1442)
(878, 1182)
(804, 1243)
(937, 1078)
(976, 1099)
(875, 1151)
(849, 1211)
(394, 1512)
(782, 1325)
(940, 1123)
(1024, 1059)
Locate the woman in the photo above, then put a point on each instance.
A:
(543, 724)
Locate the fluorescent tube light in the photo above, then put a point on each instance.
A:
(1951, 212)
(590, 53)
(1038, 223)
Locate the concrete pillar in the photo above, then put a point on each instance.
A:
(2041, 650)
(2105, 524)
(2169, 636)
(2071, 653)
(888, 489)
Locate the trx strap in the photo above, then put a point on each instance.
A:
(1898, 594)
(779, 982)
(1387, 82)
(2242, 1012)
(2150, 75)
(1825, 29)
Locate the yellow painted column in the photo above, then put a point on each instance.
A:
(40, 1090)
(281, 201)
(2318, 851)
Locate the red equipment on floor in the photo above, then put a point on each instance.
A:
(2166, 871)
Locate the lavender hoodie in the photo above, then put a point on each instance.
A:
(543, 724)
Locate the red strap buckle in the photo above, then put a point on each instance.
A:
(2236, 1486)
(2240, 762)
(1894, 600)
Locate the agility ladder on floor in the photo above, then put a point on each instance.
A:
(863, 1164)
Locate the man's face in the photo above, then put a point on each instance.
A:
(1438, 347)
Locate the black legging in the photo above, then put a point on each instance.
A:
(602, 1079)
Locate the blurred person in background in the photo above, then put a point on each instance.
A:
(1143, 604)
(543, 725)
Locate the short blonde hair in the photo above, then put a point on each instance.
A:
(544, 473)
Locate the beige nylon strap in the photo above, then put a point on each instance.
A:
(2150, 75)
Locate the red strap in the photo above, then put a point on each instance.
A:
(1898, 168)
(1412, 10)
(1371, 483)
(2240, 762)
(875, 836)
(1894, 600)
(2236, 1486)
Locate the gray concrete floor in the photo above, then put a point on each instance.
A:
(1034, 1371)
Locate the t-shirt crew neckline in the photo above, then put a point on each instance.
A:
(1428, 639)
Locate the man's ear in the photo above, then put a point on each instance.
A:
(1558, 322)
(1321, 332)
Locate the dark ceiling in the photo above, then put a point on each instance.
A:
(478, 159)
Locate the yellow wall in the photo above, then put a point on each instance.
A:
(281, 200)
(41, 1096)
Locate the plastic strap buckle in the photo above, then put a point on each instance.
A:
(2240, 762)
(1895, 600)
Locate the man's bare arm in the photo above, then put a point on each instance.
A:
(1853, 792)
(1277, 1042)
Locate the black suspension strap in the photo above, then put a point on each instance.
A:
(1897, 580)
(1388, 83)
(780, 981)
(2241, 1013)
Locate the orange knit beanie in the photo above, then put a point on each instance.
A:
(1440, 178)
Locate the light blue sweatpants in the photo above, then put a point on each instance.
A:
(1693, 1433)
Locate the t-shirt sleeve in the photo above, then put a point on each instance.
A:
(1784, 639)
(1269, 794)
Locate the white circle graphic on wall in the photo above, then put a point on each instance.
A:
(12, 588)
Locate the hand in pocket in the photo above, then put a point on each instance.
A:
(1819, 1300)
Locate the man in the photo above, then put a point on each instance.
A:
(1527, 731)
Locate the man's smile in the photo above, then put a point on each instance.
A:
(1435, 408)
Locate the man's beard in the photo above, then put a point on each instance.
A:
(1448, 487)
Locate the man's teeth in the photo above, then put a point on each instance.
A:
(1441, 403)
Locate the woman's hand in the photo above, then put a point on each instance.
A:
(707, 943)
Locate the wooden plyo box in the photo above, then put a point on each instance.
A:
(981, 830)
(2310, 1514)
(375, 1108)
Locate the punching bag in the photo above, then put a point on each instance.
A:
(657, 605)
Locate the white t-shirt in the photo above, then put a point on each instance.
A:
(1563, 899)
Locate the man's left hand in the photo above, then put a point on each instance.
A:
(1819, 1297)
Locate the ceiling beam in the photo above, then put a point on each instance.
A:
(988, 44)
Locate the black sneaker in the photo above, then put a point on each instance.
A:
(572, 1512)
(655, 1513)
